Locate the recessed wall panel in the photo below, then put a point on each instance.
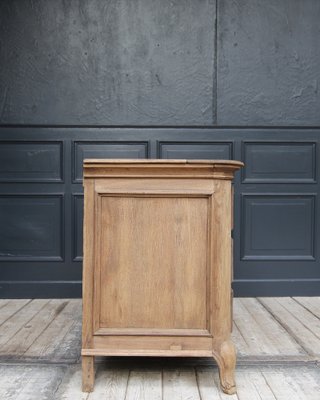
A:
(278, 227)
(205, 151)
(30, 161)
(279, 162)
(31, 227)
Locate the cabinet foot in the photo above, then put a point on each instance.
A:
(226, 360)
(87, 373)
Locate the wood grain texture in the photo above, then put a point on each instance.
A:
(145, 262)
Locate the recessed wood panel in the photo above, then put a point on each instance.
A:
(30, 161)
(204, 151)
(279, 162)
(84, 150)
(147, 286)
(278, 227)
(31, 227)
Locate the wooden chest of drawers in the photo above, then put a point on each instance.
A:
(157, 261)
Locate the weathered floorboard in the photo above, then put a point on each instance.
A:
(293, 383)
(70, 348)
(180, 384)
(254, 383)
(29, 332)
(53, 336)
(265, 329)
(111, 384)
(295, 319)
(43, 382)
(13, 324)
(144, 385)
(25, 382)
(307, 318)
(312, 304)
(279, 340)
(251, 385)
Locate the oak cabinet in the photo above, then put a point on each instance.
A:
(157, 261)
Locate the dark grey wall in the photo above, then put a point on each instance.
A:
(107, 62)
(268, 62)
(159, 79)
(146, 62)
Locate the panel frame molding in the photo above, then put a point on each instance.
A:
(75, 223)
(41, 180)
(313, 180)
(229, 143)
(100, 192)
(263, 258)
(60, 258)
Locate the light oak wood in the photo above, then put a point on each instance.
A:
(158, 261)
(87, 373)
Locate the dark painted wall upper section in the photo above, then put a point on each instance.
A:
(151, 62)
(142, 62)
(268, 62)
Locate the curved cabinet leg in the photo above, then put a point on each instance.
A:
(87, 373)
(226, 359)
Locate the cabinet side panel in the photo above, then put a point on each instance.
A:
(153, 262)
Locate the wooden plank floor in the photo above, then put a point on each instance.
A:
(278, 342)
(265, 329)
(49, 382)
